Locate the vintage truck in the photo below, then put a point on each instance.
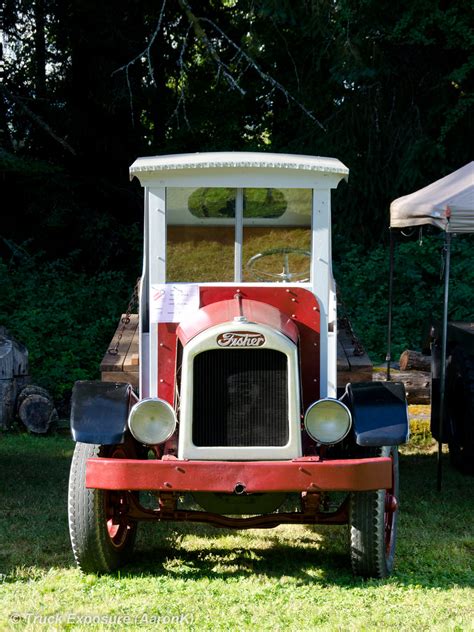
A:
(237, 420)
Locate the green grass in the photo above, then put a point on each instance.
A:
(289, 578)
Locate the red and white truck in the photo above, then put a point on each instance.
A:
(237, 420)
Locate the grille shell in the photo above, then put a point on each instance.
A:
(240, 398)
(207, 340)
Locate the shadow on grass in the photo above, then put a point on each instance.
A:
(214, 562)
(435, 543)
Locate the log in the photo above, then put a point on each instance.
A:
(31, 389)
(414, 361)
(36, 409)
(417, 383)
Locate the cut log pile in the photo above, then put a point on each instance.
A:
(33, 405)
(414, 372)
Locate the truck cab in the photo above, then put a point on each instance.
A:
(237, 420)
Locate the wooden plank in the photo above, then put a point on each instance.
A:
(127, 377)
(115, 362)
(344, 377)
(132, 358)
(358, 368)
(342, 361)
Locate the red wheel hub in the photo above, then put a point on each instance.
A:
(116, 508)
(391, 506)
(391, 503)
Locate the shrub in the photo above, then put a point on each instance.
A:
(362, 279)
(65, 317)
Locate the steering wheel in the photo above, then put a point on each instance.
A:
(285, 275)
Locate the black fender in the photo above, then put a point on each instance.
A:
(379, 413)
(99, 412)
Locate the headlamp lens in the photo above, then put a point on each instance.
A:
(328, 421)
(152, 421)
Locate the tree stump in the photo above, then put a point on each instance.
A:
(13, 375)
(7, 403)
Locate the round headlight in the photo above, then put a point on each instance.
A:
(152, 421)
(328, 421)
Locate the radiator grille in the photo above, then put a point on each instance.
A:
(240, 398)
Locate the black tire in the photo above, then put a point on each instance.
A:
(460, 410)
(99, 545)
(373, 525)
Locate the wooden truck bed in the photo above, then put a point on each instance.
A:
(124, 365)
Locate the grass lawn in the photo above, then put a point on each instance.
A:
(200, 578)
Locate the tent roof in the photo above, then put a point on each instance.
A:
(447, 203)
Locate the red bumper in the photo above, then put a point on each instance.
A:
(306, 474)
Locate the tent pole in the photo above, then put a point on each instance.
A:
(390, 303)
(444, 337)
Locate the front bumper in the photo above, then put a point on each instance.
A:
(307, 474)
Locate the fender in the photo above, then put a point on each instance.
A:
(99, 411)
(379, 413)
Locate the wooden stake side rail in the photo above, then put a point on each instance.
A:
(351, 367)
(124, 365)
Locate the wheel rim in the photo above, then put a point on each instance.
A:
(116, 505)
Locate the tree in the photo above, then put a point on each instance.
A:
(91, 86)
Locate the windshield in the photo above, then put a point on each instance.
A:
(208, 242)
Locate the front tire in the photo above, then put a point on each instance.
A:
(373, 525)
(102, 538)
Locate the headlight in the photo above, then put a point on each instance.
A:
(328, 421)
(152, 421)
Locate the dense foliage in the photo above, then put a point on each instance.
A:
(65, 318)
(363, 278)
(87, 87)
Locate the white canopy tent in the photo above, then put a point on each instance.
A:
(447, 204)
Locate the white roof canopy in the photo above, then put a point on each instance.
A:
(447, 203)
(239, 168)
